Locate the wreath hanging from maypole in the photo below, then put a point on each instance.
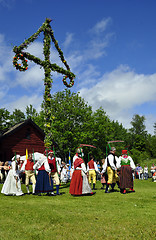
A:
(24, 61)
(20, 62)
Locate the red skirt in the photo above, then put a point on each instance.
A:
(76, 183)
(126, 177)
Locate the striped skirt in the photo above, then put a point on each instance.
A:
(126, 177)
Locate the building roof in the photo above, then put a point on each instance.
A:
(20, 125)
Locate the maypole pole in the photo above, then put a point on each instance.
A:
(48, 67)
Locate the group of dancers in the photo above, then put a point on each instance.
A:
(47, 174)
(119, 171)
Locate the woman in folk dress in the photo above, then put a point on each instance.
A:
(126, 166)
(79, 183)
(12, 184)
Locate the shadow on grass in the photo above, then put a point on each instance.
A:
(64, 185)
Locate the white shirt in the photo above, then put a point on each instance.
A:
(132, 165)
(40, 162)
(13, 167)
(111, 163)
(145, 169)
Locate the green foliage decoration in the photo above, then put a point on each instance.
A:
(21, 55)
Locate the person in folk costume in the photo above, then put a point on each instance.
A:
(54, 171)
(64, 174)
(127, 167)
(44, 183)
(1, 172)
(79, 183)
(12, 184)
(6, 169)
(111, 168)
(79, 151)
(104, 177)
(29, 173)
(92, 169)
(22, 176)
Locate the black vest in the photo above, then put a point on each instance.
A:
(114, 160)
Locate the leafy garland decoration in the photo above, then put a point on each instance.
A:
(21, 55)
(18, 65)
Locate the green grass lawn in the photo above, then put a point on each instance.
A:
(101, 216)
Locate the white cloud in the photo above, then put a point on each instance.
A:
(3, 91)
(96, 48)
(68, 40)
(75, 60)
(98, 40)
(101, 26)
(119, 91)
(150, 120)
(7, 3)
(36, 49)
(5, 51)
(31, 78)
(24, 101)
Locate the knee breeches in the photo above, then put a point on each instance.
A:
(92, 175)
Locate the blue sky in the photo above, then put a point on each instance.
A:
(109, 44)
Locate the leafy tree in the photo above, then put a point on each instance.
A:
(138, 125)
(71, 118)
(74, 123)
(17, 116)
(152, 145)
(101, 131)
(31, 112)
(154, 128)
(120, 133)
(139, 134)
(4, 119)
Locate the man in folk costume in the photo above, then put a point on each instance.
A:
(127, 167)
(111, 168)
(79, 183)
(54, 170)
(92, 169)
(44, 183)
(29, 173)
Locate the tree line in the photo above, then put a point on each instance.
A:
(74, 123)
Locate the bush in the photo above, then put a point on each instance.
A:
(138, 156)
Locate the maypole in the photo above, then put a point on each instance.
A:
(21, 55)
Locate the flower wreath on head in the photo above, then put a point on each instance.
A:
(20, 56)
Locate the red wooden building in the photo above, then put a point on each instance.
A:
(23, 135)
